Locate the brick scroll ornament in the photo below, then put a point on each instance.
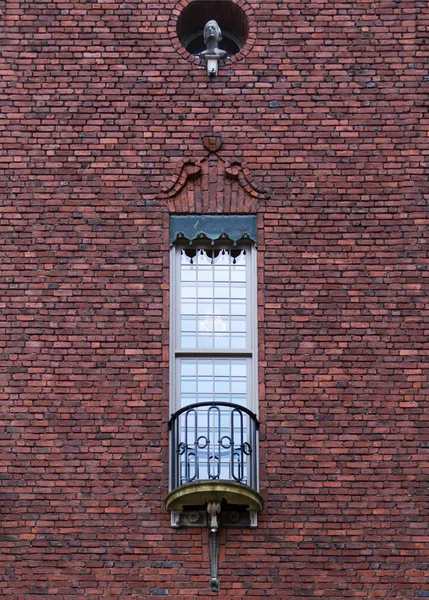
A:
(212, 185)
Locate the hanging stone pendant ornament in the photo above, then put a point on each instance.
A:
(212, 37)
(213, 510)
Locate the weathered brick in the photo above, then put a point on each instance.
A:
(326, 107)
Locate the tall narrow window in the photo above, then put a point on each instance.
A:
(214, 352)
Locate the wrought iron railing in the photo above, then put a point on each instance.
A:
(213, 441)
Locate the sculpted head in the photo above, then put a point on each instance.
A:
(212, 31)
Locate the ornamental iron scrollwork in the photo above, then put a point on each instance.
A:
(214, 441)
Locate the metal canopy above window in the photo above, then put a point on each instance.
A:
(213, 227)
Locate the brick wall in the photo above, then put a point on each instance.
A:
(327, 107)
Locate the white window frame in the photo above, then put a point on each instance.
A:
(250, 352)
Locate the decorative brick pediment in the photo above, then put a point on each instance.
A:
(212, 185)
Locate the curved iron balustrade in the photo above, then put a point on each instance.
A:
(214, 441)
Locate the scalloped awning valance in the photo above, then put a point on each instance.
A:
(213, 227)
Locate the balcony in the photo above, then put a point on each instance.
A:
(214, 457)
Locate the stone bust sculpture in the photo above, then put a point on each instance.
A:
(212, 37)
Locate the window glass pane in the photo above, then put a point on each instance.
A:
(189, 273)
(205, 273)
(221, 341)
(189, 308)
(189, 324)
(239, 257)
(238, 307)
(223, 367)
(223, 397)
(205, 290)
(221, 273)
(238, 341)
(213, 380)
(205, 307)
(239, 368)
(188, 341)
(221, 290)
(205, 385)
(238, 274)
(205, 397)
(222, 385)
(238, 385)
(213, 288)
(188, 291)
(238, 290)
(188, 385)
(205, 341)
(205, 367)
(205, 324)
(188, 256)
(188, 399)
(222, 307)
(205, 257)
(238, 325)
(189, 367)
(239, 399)
(222, 258)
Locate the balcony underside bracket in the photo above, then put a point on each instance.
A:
(213, 511)
(230, 518)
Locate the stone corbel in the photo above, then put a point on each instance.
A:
(213, 511)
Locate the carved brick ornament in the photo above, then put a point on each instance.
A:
(213, 185)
